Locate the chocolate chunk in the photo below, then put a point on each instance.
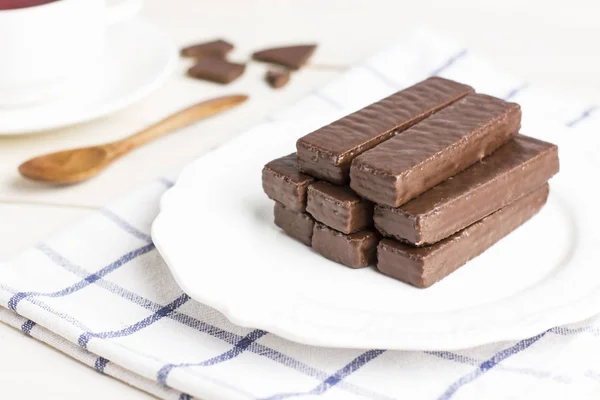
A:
(515, 169)
(277, 78)
(283, 182)
(296, 225)
(424, 266)
(339, 207)
(434, 150)
(292, 57)
(327, 152)
(356, 250)
(216, 48)
(216, 70)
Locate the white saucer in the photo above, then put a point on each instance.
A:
(140, 58)
(215, 232)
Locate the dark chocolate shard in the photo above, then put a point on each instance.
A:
(216, 48)
(284, 183)
(339, 207)
(216, 70)
(514, 170)
(296, 225)
(277, 78)
(356, 250)
(292, 57)
(424, 266)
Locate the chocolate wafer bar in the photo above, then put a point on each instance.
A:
(297, 225)
(435, 149)
(339, 207)
(327, 152)
(424, 266)
(283, 182)
(356, 250)
(515, 169)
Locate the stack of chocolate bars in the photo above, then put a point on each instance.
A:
(417, 184)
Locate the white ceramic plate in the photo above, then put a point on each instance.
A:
(216, 233)
(139, 59)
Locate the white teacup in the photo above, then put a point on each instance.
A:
(43, 47)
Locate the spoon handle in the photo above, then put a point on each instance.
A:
(176, 121)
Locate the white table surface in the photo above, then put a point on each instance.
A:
(551, 43)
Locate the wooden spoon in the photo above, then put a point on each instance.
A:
(72, 166)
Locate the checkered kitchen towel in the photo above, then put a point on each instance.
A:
(101, 293)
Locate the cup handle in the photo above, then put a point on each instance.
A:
(123, 10)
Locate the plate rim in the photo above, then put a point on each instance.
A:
(574, 311)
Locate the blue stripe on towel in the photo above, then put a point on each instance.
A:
(144, 323)
(238, 349)
(449, 62)
(202, 326)
(165, 181)
(100, 364)
(336, 378)
(584, 115)
(27, 327)
(513, 92)
(489, 364)
(450, 356)
(126, 226)
(17, 298)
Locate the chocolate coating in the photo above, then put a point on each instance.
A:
(277, 78)
(215, 48)
(292, 57)
(424, 266)
(328, 152)
(283, 182)
(216, 70)
(434, 150)
(356, 250)
(515, 169)
(339, 207)
(296, 225)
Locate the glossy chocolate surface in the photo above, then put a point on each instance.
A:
(283, 182)
(277, 78)
(216, 69)
(514, 170)
(292, 57)
(215, 48)
(328, 152)
(424, 266)
(435, 149)
(296, 225)
(356, 250)
(339, 207)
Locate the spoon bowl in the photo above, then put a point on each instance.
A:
(68, 166)
(72, 166)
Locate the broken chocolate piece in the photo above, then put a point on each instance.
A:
(296, 225)
(277, 78)
(216, 48)
(283, 182)
(339, 207)
(435, 149)
(356, 250)
(216, 70)
(328, 152)
(292, 57)
(515, 169)
(424, 266)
